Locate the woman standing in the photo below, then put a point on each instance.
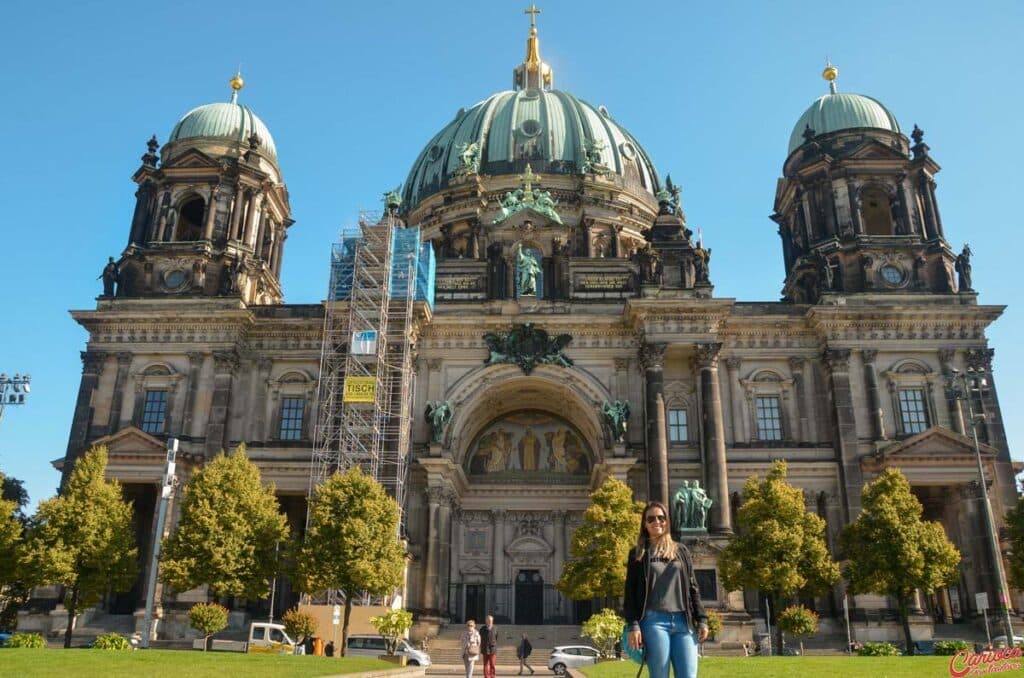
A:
(470, 644)
(662, 601)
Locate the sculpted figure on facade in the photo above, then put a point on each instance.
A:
(616, 416)
(438, 414)
(527, 271)
(963, 268)
(110, 277)
(690, 507)
(469, 158)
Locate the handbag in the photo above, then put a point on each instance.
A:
(473, 648)
(636, 655)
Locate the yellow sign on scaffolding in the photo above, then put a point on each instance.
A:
(359, 389)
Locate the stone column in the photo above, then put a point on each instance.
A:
(740, 434)
(225, 365)
(796, 368)
(945, 605)
(92, 367)
(558, 519)
(854, 203)
(279, 252)
(652, 359)
(435, 495)
(211, 213)
(874, 400)
(947, 359)
(713, 431)
(498, 545)
(143, 203)
(935, 209)
(444, 539)
(124, 362)
(255, 199)
(236, 213)
(844, 434)
(924, 192)
(195, 365)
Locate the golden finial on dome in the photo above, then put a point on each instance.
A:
(236, 84)
(830, 73)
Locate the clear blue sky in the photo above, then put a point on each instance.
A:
(352, 92)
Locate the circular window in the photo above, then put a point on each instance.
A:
(435, 153)
(627, 150)
(175, 279)
(530, 128)
(892, 275)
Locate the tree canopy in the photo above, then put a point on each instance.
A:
(229, 531)
(83, 539)
(600, 545)
(892, 551)
(351, 544)
(780, 547)
(1015, 533)
(11, 529)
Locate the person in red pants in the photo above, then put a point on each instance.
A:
(489, 646)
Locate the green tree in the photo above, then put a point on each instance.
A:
(299, 625)
(600, 546)
(12, 489)
(797, 620)
(1015, 532)
(208, 619)
(780, 547)
(351, 544)
(604, 628)
(714, 623)
(83, 539)
(229, 532)
(892, 551)
(11, 533)
(392, 625)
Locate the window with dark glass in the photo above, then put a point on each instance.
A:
(707, 583)
(913, 413)
(678, 429)
(769, 418)
(154, 411)
(292, 411)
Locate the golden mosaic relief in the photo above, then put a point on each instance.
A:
(526, 444)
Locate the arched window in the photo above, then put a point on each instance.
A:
(190, 220)
(876, 209)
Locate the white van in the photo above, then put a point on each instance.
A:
(373, 646)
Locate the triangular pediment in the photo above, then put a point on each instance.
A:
(132, 441)
(475, 567)
(872, 149)
(938, 444)
(192, 158)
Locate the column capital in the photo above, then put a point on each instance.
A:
(225, 362)
(946, 357)
(92, 361)
(869, 355)
(796, 364)
(837, 359)
(652, 355)
(707, 354)
(195, 358)
(733, 362)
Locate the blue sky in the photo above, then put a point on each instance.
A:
(352, 92)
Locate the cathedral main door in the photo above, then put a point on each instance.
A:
(529, 597)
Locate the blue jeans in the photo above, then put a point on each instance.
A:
(667, 636)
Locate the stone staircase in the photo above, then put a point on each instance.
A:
(444, 649)
(98, 624)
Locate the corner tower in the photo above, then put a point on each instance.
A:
(856, 206)
(211, 213)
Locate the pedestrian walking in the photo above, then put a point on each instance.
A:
(523, 651)
(662, 600)
(489, 646)
(470, 644)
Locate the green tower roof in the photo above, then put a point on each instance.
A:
(228, 121)
(839, 111)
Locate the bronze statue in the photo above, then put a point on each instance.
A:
(438, 414)
(963, 268)
(616, 415)
(111, 275)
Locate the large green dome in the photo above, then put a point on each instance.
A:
(551, 129)
(231, 122)
(840, 111)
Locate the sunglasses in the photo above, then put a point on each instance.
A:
(657, 518)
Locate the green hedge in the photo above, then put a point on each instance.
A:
(112, 641)
(950, 647)
(30, 640)
(878, 650)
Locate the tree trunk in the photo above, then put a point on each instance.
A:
(903, 605)
(776, 629)
(344, 627)
(72, 613)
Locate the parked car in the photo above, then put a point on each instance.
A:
(924, 647)
(373, 646)
(5, 635)
(571, 656)
(1000, 641)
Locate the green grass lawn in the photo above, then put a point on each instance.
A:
(174, 664)
(803, 667)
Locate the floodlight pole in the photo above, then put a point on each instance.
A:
(166, 488)
(14, 390)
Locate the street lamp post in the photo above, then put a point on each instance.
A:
(963, 386)
(13, 390)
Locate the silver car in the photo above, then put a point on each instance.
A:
(571, 656)
(373, 646)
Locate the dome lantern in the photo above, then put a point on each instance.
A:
(532, 73)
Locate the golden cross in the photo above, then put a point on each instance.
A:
(528, 177)
(533, 12)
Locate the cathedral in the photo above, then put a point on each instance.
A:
(572, 334)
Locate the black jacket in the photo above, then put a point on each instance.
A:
(488, 640)
(637, 589)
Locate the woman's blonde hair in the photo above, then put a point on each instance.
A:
(665, 547)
